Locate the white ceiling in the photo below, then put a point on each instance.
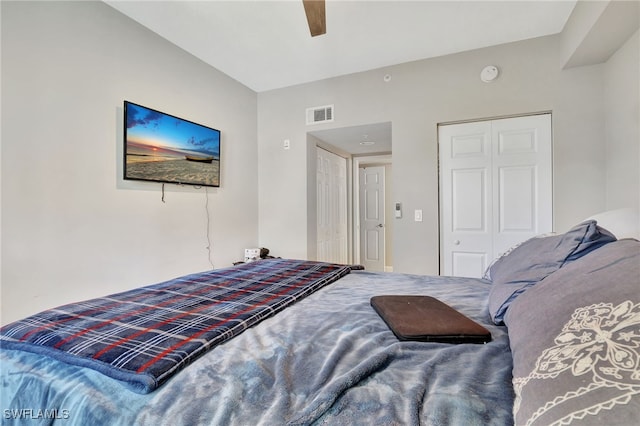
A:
(265, 44)
(366, 139)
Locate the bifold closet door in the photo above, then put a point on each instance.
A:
(495, 189)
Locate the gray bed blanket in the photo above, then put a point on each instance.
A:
(328, 359)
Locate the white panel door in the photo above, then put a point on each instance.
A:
(465, 162)
(331, 180)
(372, 218)
(522, 179)
(496, 189)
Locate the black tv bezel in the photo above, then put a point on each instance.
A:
(175, 182)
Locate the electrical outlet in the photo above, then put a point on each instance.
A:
(251, 254)
(286, 144)
(417, 215)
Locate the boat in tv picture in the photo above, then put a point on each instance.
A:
(160, 147)
(199, 159)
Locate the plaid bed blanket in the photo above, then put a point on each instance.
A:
(144, 336)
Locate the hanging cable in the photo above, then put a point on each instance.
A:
(206, 209)
(163, 192)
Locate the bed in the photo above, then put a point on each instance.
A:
(564, 317)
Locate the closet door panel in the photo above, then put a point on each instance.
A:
(465, 155)
(522, 167)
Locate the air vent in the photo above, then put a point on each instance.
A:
(321, 114)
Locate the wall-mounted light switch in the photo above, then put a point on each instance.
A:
(417, 215)
(286, 144)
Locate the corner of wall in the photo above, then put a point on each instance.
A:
(597, 29)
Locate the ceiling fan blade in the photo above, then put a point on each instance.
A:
(315, 10)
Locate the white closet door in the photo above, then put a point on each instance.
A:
(496, 191)
(522, 179)
(331, 207)
(466, 226)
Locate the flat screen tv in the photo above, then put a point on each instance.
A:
(160, 147)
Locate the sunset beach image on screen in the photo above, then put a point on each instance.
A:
(160, 147)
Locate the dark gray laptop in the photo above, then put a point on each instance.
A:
(427, 319)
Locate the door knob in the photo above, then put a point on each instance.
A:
(456, 242)
(379, 225)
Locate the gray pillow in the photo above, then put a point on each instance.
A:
(535, 259)
(575, 339)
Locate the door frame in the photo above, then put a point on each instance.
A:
(377, 160)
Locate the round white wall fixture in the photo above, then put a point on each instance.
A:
(489, 73)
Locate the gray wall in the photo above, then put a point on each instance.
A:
(419, 96)
(622, 122)
(71, 228)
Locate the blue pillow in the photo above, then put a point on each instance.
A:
(575, 342)
(535, 259)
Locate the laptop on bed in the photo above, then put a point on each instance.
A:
(427, 319)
